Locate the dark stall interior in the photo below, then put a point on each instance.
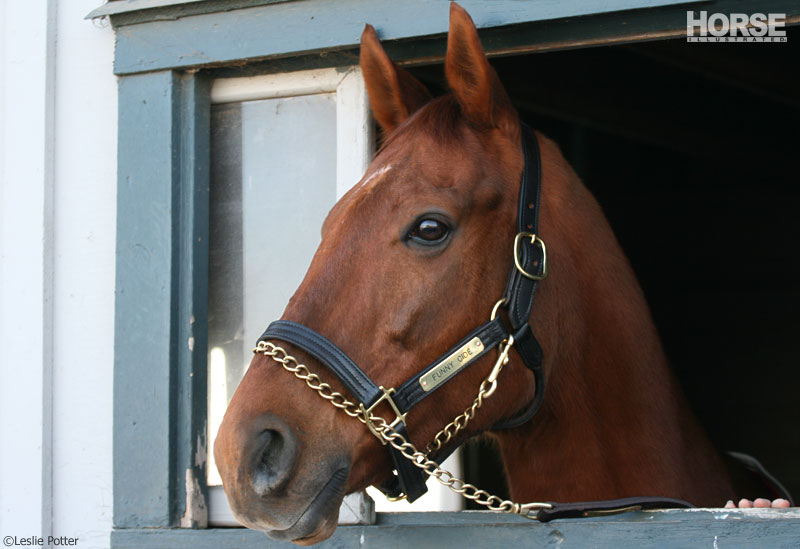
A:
(692, 150)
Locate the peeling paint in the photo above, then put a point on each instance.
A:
(357, 508)
(196, 514)
(737, 514)
(201, 455)
(556, 538)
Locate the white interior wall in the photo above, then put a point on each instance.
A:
(58, 124)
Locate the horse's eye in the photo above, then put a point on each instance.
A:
(429, 231)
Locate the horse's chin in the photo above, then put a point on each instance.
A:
(318, 522)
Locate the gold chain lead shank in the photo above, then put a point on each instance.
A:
(387, 435)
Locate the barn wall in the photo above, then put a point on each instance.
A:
(85, 229)
(23, 224)
(58, 126)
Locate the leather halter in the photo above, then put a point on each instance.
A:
(529, 267)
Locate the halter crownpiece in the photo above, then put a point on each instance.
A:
(529, 267)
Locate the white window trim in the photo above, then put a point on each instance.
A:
(354, 135)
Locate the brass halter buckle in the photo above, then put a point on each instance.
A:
(368, 417)
(518, 265)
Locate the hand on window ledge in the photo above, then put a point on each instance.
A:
(760, 502)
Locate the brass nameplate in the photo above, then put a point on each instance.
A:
(452, 364)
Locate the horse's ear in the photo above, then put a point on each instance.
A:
(393, 93)
(473, 81)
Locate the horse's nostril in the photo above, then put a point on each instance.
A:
(271, 452)
(274, 461)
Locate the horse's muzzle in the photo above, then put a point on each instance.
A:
(288, 488)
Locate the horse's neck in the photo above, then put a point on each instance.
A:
(614, 422)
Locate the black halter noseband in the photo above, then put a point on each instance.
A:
(529, 267)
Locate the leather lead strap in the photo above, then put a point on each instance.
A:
(585, 509)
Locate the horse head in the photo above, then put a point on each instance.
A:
(412, 257)
(415, 256)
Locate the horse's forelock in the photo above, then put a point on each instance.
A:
(440, 120)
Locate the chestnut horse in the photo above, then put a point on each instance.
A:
(415, 256)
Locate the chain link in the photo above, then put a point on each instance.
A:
(485, 390)
(387, 434)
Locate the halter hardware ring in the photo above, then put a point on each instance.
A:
(368, 417)
(518, 265)
(497, 306)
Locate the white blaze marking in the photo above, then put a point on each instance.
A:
(376, 175)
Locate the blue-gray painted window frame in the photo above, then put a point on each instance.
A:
(166, 59)
(161, 296)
